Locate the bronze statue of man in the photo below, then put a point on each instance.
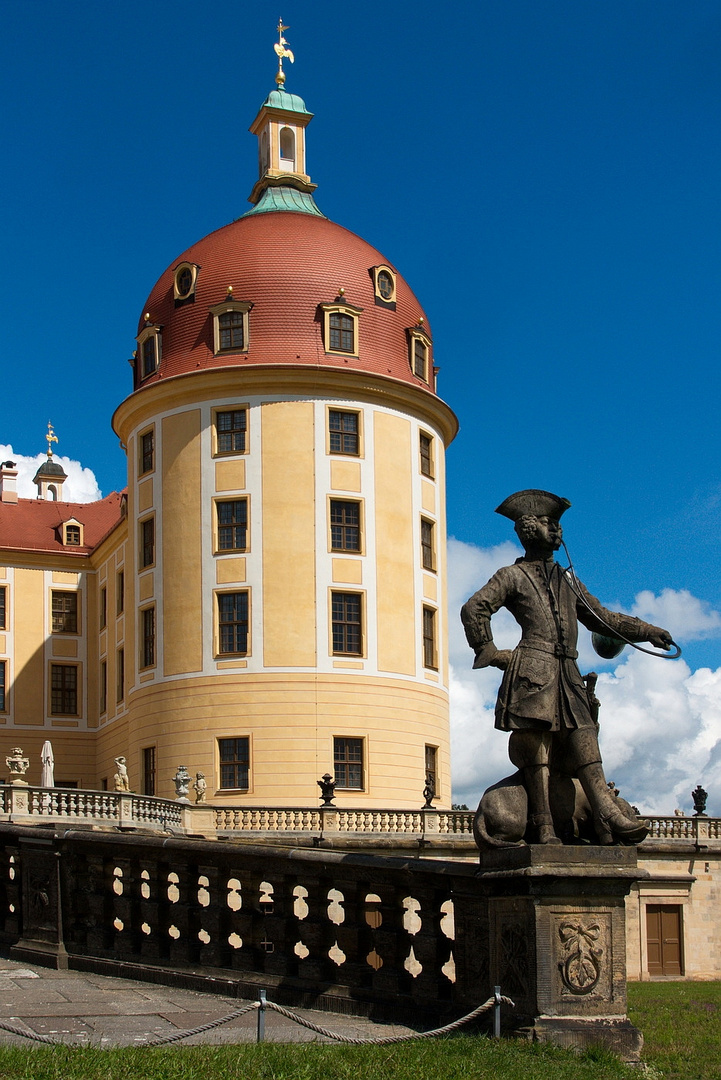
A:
(543, 700)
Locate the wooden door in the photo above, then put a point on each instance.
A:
(663, 939)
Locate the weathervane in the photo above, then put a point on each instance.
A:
(51, 438)
(282, 52)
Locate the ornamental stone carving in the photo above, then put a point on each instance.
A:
(18, 765)
(582, 945)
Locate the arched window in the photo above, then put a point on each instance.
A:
(287, 145)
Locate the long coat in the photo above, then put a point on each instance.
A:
(542, 688)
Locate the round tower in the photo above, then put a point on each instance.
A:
(285, 579)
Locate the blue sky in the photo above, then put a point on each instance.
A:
(546, 175)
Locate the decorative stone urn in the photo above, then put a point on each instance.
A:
(18, 765)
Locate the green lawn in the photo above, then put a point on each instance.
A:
(681, 1023)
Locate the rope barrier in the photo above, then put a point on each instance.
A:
(177, 1036)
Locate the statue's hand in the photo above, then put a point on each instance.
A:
(659, 638)
(502, 659)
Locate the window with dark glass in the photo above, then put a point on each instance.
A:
(231, 331)
(3, 681)
(426, 451)
(63, 690)
(428, 554)
(65, 612)
(3, 607)
(429, 638)
(342, 332)
(184, 281)
(149, 770)
(344, 525)
(420, 358)
(233, 622)
(431, 758)
(231, 427)
(72, 536)
(346, 623)
(120, 675)
(148, 637)
(147, 452)
(348, 763)
(147, 542)
(234, 763)
(149, 351)
(385, 284)
(342, 432)
(120, 589)
(232, 517)
(103, 608)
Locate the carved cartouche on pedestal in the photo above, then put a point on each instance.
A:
(18, 765)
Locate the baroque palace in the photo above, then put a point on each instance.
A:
(265, 603)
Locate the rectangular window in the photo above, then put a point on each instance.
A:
(63, 690)
(3, 684)
(429, 638)
(120, 675)
(150, 354)
(232, 519)
(149, 770)
(231, 331)
(348, 763)
(233, 623)
(426, 451)
(147, 542)
(65, 612)
(342, 432)
(147, 452)
(104, 686)
(431, 766)
(103, 608)
(231, 428)
(428, 552)
(148, 637)
(420, 354)
(120, 592)
(344, 525)
(347, 626)
(234, 763)
(342, 332)
(72, 536)
(3, 607)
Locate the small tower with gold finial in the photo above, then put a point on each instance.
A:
(283, 183)
(51, 476)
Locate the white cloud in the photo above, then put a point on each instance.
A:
(660, 722)
(80, 486)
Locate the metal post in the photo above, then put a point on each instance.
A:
(261, 1016)
(496, 1012)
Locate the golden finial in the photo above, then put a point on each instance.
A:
(341, 291)
(281, 52)
(51, 438)
(230, 289)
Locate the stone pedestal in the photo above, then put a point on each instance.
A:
(557, 930)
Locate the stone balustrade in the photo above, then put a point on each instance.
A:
(28, 805)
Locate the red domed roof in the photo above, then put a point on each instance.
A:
(286, 265)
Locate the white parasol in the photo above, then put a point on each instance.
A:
(47, 774)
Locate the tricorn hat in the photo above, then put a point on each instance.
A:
(535, 502)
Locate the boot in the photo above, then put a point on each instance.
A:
(543, 826)
(610, 822)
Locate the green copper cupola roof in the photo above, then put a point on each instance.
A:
(283, 183)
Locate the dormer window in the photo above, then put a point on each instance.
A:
(384, 286)
(149, 350)
(184, 281)
(72, 533)
(340, 328)
(419, 344)
(230, 326)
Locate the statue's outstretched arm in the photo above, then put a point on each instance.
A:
(600, 620)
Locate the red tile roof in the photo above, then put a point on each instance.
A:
(285, 264)
(34, 524)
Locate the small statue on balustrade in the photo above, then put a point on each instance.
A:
(122, 782)
(200, 787)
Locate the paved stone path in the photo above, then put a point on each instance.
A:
(80, 1009)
